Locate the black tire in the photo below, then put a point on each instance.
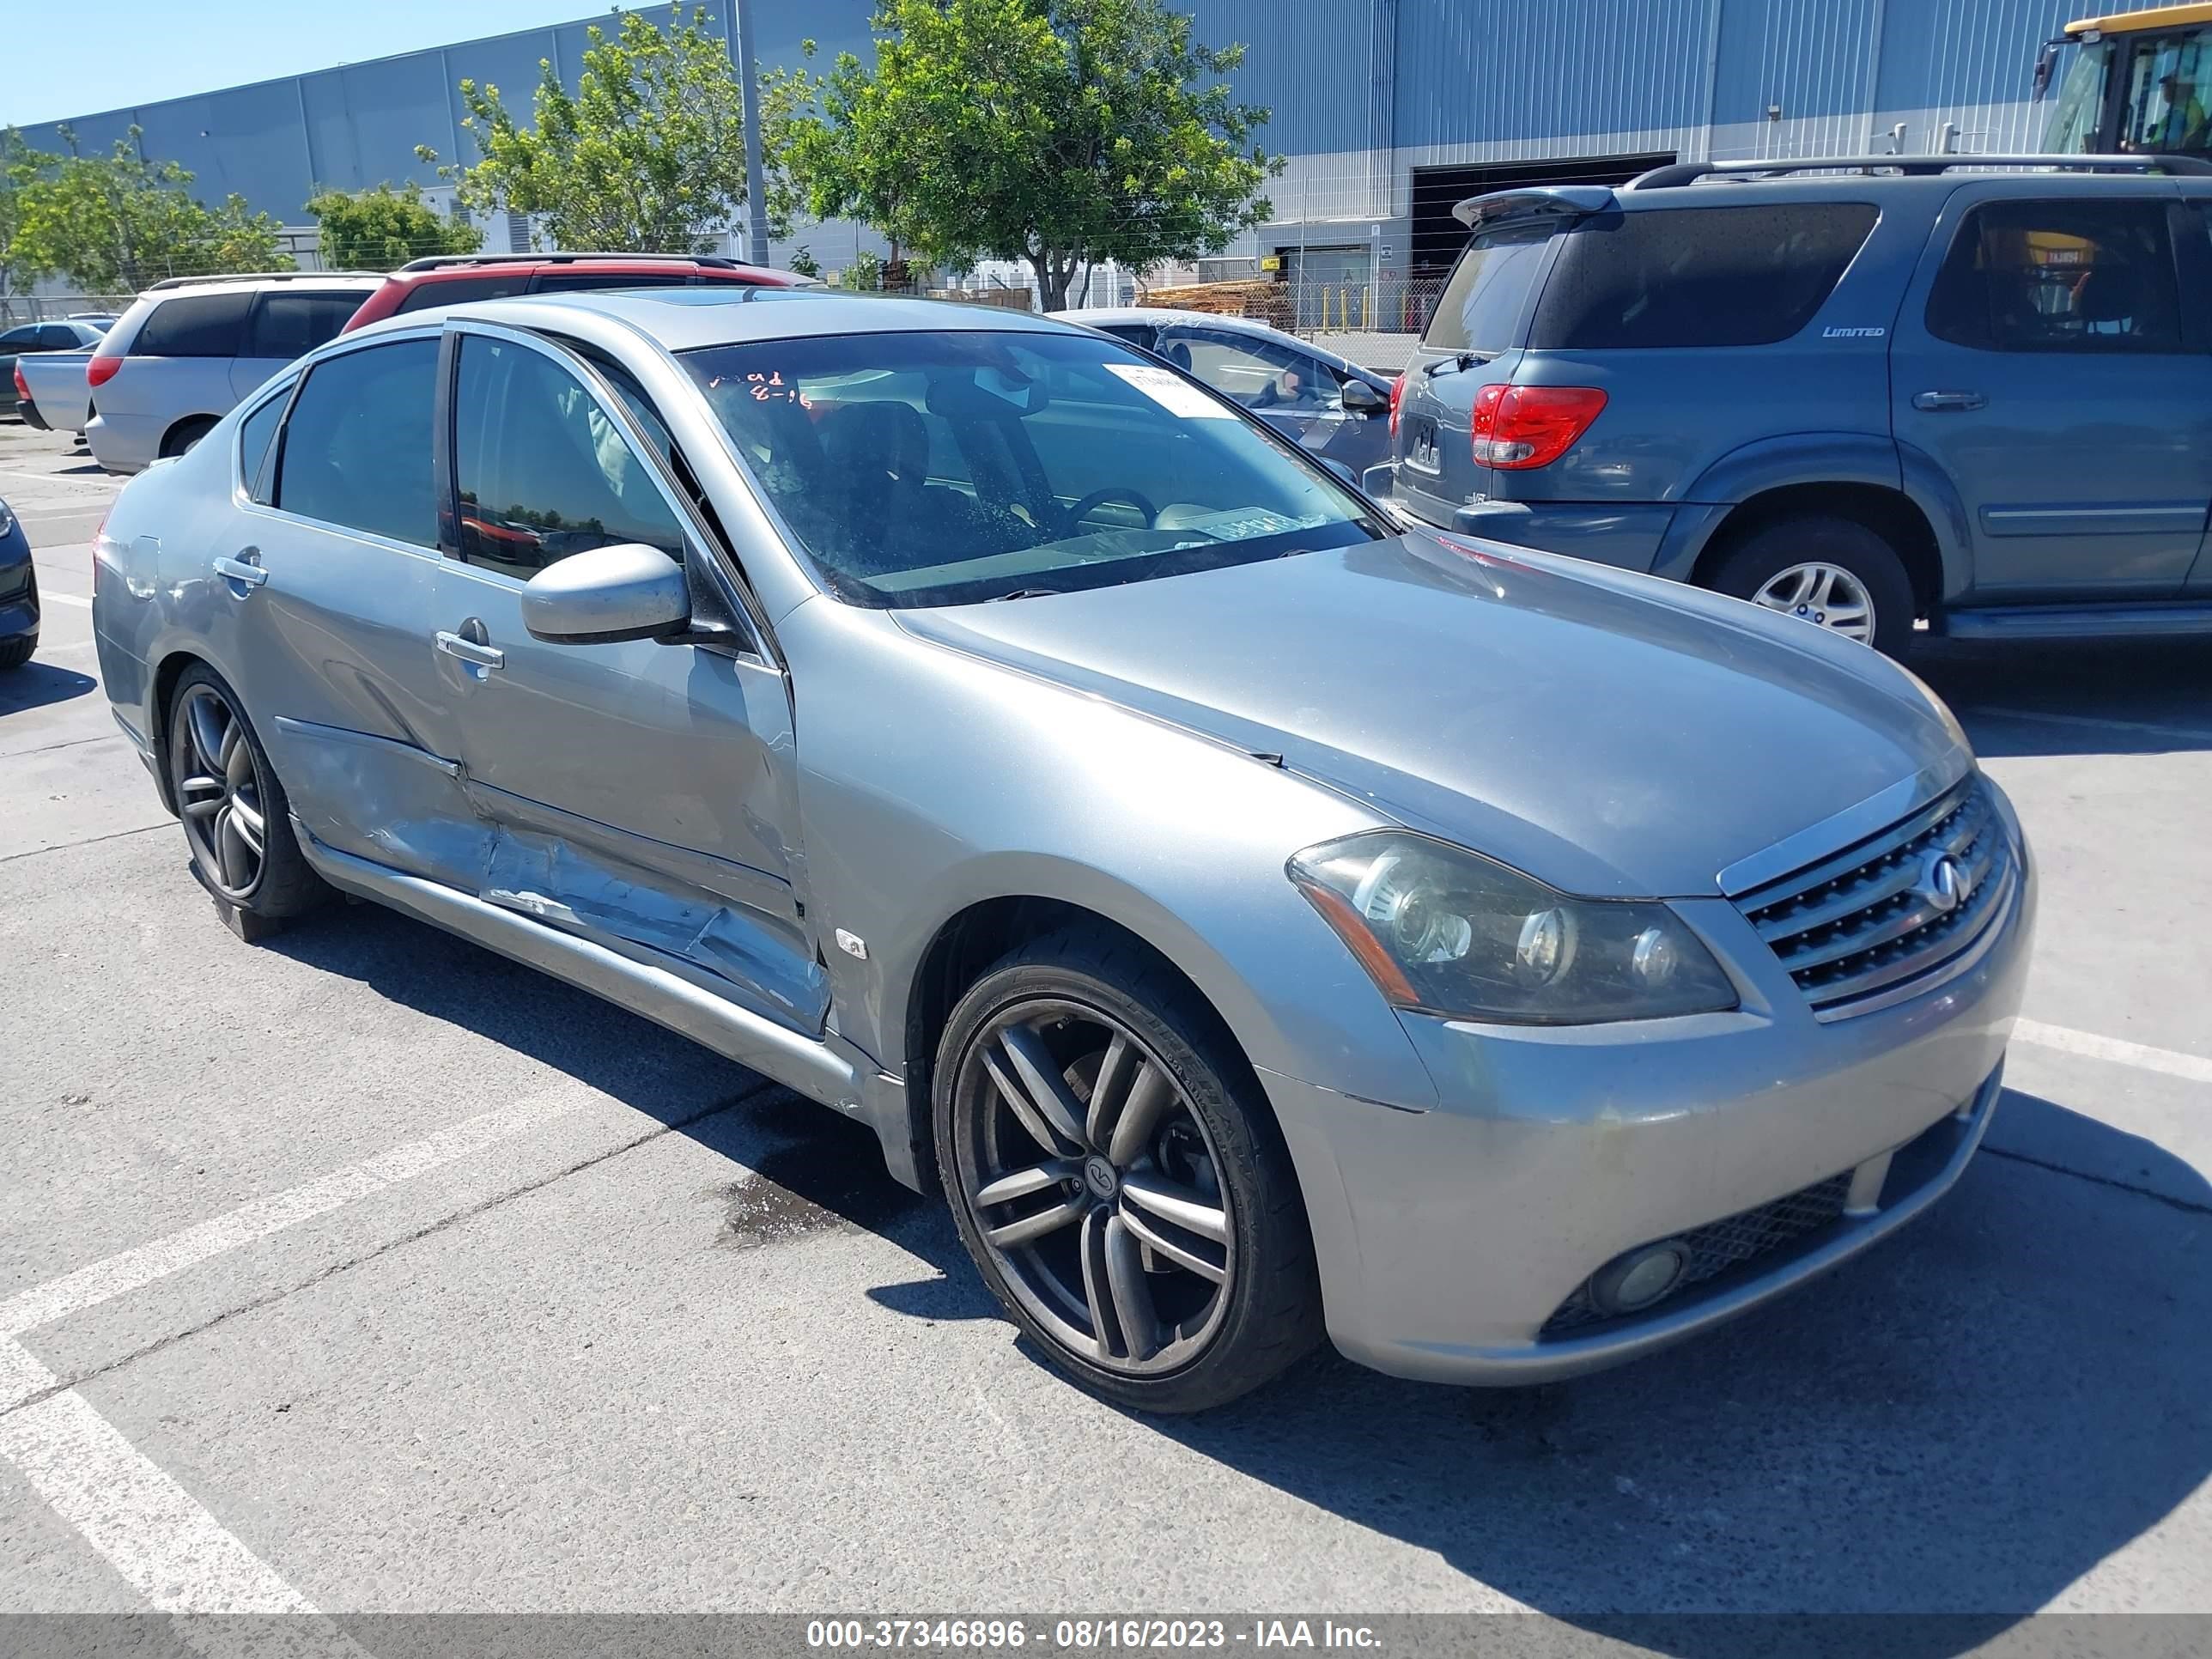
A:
(15, 652)
(1268, 1312)
(283, 884)
(183, 435)
(1824, 538)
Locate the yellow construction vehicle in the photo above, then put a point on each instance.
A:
(2138, 82)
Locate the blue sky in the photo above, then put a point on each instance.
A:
(71, 60)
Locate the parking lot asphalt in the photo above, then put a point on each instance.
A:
(363, 1271)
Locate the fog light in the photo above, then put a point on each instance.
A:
(1636, 1281)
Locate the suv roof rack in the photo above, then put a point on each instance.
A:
(252, 277)
(1683, 172)
(439, 261)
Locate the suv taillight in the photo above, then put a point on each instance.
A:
(101, 369)
(1519, 426)
(1397, 398)
(23, 386)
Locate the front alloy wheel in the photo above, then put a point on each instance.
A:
(1098, 1192)
(1119, 1179)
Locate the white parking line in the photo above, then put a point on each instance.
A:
(147, 1527)
(2171, 1061)
(65, 598)
(128, 1270)
(2151, 728)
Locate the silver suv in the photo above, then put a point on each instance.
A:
(182, 356)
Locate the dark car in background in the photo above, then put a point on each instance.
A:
(1967, 390)
(1330, 406)
(19, 594)
(456, 278)
(25, 339)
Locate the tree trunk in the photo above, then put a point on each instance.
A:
(1052, 279)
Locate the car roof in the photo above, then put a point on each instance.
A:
(685, 319)
(347, 281)
(1106, 316)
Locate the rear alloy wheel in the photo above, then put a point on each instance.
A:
(1833, 572)
(237, 821)
(1133, 1213)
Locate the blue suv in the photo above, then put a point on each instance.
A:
(1864, 390)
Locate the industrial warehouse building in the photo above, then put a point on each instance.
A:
(1388, 111)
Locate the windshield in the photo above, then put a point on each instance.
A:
(942, 468)
(2077, 116)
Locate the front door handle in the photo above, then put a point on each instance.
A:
(245, 569)
(1936, 401)
(468, 650)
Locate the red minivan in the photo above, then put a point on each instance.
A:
(454, 279)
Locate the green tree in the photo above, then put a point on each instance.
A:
(20, 166)
(648, 154)
(1060, 132)
(381, 229)
(113, 223)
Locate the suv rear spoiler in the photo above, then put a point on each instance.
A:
(1564, 201)
(1687, 172)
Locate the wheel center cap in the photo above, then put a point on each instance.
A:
(1098, 1176)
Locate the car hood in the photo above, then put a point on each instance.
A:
(1604, 732)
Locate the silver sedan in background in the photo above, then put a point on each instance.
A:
(1259, 923)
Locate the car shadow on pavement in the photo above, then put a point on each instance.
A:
(36, 684)
(2067, 697)
(1964, 1421)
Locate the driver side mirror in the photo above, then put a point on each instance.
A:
(2046, 61)
(1361, 399)
(604, 595)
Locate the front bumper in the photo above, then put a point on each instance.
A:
(1449, 1239)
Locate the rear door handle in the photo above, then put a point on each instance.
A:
(481, 656)
(245, 568)
(1935, 402)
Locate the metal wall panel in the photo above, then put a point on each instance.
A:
(1310, 61)
(1483, 71)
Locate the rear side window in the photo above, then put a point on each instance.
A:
(289, 323)
(255, 433)
(459, 290)
(1484, 304)
(194, 325)
(58, 337)
(1698, 276)
(357, 449)
(2060, 275)
(578, 281)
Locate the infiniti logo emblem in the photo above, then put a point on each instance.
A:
(1945, 883)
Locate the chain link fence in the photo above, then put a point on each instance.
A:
(53, 308)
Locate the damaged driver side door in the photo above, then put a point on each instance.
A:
(637, 793)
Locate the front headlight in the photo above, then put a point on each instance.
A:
(1450, 932)
(7, 519)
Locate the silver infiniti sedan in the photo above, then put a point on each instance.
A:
(1258, 922)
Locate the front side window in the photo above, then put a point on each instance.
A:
(1698, 276)
(941, 469)
(542, 470)
(1259, 374)
(2074, 275)
(25, 338)
(288, 324)
(2169, 87)
(194, 325)
(357, 448)
(255, 434)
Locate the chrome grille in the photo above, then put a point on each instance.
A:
(1719, 1245)
(1859, 928)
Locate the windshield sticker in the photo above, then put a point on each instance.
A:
(1171, 392)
